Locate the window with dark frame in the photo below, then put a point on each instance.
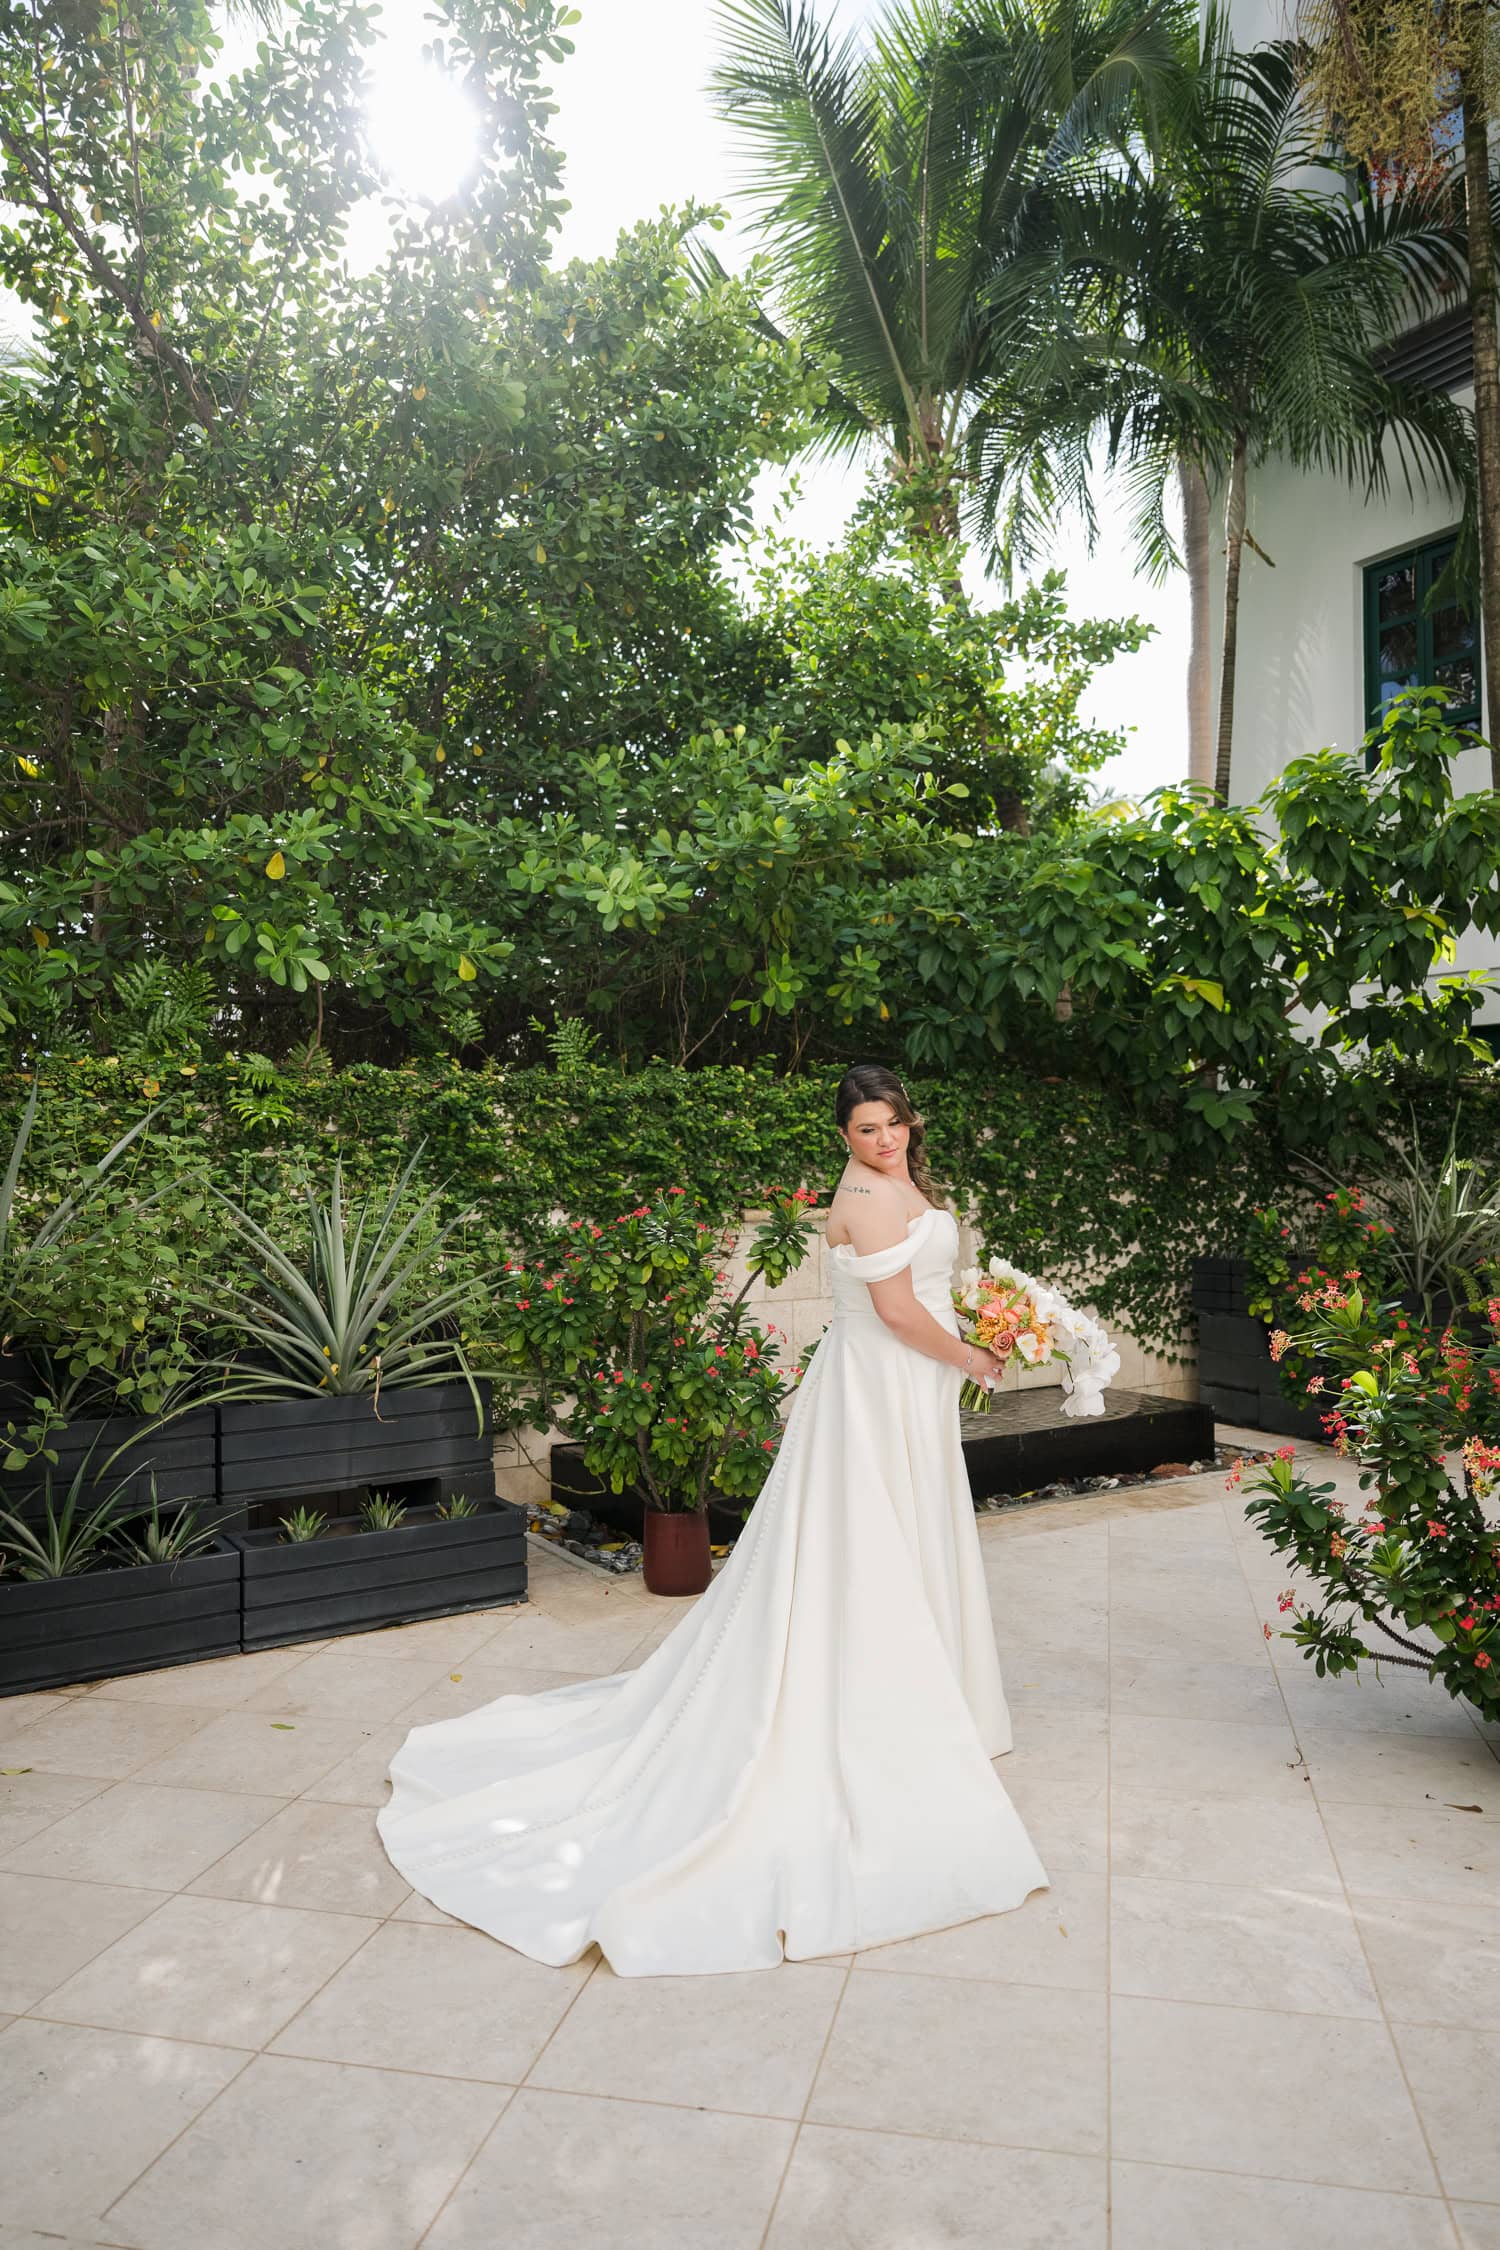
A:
(1407, 646)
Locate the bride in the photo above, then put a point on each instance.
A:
(802, 1766)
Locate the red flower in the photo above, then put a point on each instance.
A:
(523, 1304)
(1482, 1661)
(1438, 1530)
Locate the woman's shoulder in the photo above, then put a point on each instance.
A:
(870, 1214)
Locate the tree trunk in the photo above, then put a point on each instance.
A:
(1200, 674)
(1234, 546)
(1482, 312)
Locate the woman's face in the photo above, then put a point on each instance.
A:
(876, 1136)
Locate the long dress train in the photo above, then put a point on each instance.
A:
(802, 1765)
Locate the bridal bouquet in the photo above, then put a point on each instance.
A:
(1001, 1307)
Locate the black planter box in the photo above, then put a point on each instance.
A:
(181, 1454)
(348, 1582)
(56, 1631)
(285, 1448)
(1237, 1376)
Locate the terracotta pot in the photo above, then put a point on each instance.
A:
(676, 1560)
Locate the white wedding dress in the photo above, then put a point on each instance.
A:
(802, 1766)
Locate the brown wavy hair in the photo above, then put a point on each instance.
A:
(872, 1082)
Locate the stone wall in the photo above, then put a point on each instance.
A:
(801, 1309)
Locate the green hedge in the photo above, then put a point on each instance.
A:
(1065, 1179)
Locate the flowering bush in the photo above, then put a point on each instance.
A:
(1420, 1413)
(1288, 1281)
(673, 1389)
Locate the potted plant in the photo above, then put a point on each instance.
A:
(314, 1574)
(90, 1588)
(1423, 1554)
(353, 1372)
(349, 1365)
(634, 1350)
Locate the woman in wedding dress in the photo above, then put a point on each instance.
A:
(802, 1766)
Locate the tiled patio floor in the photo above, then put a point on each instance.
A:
(1260, 2004)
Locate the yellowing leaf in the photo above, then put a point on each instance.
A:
(441, 755)
(466, 969)
(150, 1087)
(455, 1677)
(541, 552)
(29, 766)
(156, 320)
(420, 391)
(282, 1726)
(276, 867)
(40, 939)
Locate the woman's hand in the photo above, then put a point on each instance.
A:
(990, 1362)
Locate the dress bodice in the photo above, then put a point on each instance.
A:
(930, 1249)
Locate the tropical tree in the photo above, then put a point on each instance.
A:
(895, 177)
(1410, 91)
(1213, 309)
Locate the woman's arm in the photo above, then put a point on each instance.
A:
(876, 1217)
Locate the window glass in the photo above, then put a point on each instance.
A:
(1407, 646)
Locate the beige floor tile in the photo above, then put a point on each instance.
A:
(1221, 1631)
(1478, 2225)
(1159, 2208)
(1388, 1701)
(451, 2002)
(31, 1801)
(1237, 1946)
(440, 1640)
(1009, 2063)
(103, 1741)
(28, 2238)
(544, 1644)
(573, 2172)
(214, 1970)
(1433, 1963)
(1167, 1687)
(275, 1753)
(415, 1908)
(1428, 1854)
(20, 1711)
(1055, 1937)
(1069, 1826)
(1054, 1679)
(1454, 2073)
(470, 1686)
(343, 1683)
(748, 2041)
(90, 2109)
(1357, 1766)
(1057, 1622)
(49, 1929)
(890, 2191)
(157, 1839)
(326, 1857)
(1067, 1749)
(1199, 1757)
(1248, 2090)
(219, 1684)
(311, 2156)
(1222, 1840)
(363, 1778)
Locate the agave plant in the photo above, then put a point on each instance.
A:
(1444, 1218)
(65, 1539)
(300, 1525)
(383, 1512)
(165, 1539)
(366, 1302)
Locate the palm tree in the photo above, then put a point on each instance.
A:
(896, 176)
(1210, 310)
